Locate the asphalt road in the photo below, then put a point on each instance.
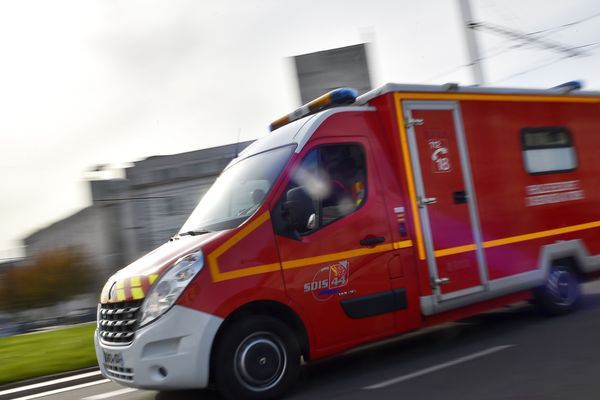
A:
(513, 353)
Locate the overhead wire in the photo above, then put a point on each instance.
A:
(589, 46)
(537, 67)
(459, 67)
(548, 31)
(542, 33)
(568, 25)
(447, 72)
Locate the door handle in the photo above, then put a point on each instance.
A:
(372, 240)
(437, 282)
(426, 201)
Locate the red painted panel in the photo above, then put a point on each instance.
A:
(367, 274)
(442, 176)
(395, 185)
(513, 259)
(501, 181)
(524, 256)
(330, 330)
(256, 248)
(464, 312)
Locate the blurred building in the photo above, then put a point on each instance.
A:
(158, 195)
(323, 71)
(133, 215)
(87, 233)
(129, 217)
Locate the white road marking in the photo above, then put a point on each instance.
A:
(66, 389)
(110, 394)
(437, 367)
(49, 383)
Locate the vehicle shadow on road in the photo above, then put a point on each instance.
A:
(591, 301)
(330, 377)
(206, 394)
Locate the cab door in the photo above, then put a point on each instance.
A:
(336, 267)
(445, 199)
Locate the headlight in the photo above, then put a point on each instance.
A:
(167, 289)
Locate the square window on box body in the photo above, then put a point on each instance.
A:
(548, 150)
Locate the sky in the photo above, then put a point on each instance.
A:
(84, 82)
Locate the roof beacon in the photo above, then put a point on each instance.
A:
(569, 86)
(337, 97)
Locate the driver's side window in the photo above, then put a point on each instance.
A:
(334, 177)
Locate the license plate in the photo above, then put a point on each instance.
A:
(113, 358)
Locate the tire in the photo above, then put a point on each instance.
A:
(256, 358)
(561, 293)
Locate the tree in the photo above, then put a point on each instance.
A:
(50, 278)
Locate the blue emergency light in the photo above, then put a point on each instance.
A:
(337, 97)
(570, 86)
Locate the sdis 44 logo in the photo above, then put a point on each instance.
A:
(328, 280)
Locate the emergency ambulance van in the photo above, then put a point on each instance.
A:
(357, 219)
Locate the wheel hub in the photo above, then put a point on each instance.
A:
(260, 362)
(561, 287)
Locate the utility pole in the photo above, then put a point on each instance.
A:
(472, 46)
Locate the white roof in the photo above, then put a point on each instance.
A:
(455, 88)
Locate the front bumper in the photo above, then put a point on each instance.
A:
(172, 352)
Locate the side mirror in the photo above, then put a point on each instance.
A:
(298, 210)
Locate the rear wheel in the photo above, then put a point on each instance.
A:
(256, 358)
(561, 293)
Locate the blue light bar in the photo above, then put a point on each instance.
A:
(570, 86)
(343, 96)
(337, 97)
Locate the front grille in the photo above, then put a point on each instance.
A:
(117, 322)
(117, 372)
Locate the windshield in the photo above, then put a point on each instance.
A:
(238, 192)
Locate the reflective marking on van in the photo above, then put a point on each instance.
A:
(132, 288)
(455, 250)
(497, 97)
(218, 276)
(325, 258)
(152, 278)
(517, 239)
(243, 272)
(137, 293)
(409, 176)
(403, 244)
(135, 281)
(399, 97)
(541, 234)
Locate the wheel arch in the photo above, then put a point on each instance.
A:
(571, 253)
(270, 308)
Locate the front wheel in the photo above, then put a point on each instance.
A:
(561, 293)
(256, 358)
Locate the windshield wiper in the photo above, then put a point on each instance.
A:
(195, 233)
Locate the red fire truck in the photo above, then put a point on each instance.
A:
(357, 219)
